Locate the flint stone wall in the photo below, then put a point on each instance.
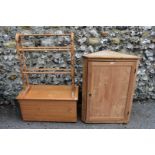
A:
(133, 40)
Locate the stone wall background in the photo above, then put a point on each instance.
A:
(133, 40)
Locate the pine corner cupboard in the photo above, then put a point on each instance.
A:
(108, 86)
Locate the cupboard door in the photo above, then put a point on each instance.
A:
(108, 84)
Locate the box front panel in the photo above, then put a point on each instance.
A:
(108, 84)
(43, 110)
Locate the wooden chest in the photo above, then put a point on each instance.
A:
(108, 87)
(49, 103)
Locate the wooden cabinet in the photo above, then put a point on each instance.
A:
(108, 87)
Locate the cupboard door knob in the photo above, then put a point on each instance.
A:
(89, 94)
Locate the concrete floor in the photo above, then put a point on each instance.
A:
(142, 117)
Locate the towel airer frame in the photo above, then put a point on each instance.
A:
(26, 71)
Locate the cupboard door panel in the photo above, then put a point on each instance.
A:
(107, 89)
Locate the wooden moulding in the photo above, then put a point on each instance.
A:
(47, 102)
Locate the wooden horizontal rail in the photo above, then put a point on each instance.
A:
(47, 69)
(28, 72)
(47, 47)
(44, 49)
(22, 35)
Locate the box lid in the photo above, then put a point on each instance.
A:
(49, 92)
(107, 54)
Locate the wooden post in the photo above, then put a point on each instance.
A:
(72, 63)
(20, 57)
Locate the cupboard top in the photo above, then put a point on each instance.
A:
(110, 54)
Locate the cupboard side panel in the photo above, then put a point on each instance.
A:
(132, 85)
(84, 89)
